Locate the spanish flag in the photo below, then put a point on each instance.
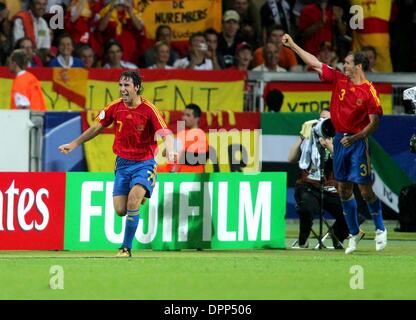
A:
(71, 83)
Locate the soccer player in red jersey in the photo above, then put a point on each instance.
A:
(136, 123)
(355, 110)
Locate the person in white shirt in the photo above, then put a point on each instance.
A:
(271, 59)
(197, 58)
(31, 24)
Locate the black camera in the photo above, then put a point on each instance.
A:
(324, 128)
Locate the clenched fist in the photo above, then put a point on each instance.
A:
(287, 41)
(67, 148)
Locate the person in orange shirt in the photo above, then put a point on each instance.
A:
(287, 59)
(26, 88)
(191, 143)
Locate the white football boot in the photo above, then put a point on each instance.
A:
(353, 241)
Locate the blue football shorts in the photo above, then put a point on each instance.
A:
(130, 172)
(352, 164)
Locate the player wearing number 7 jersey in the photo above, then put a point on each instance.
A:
(136, 124)
(355, 110)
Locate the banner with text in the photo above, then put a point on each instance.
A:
(91, 89)
(186, 211)
(184, 17)
(313, 97)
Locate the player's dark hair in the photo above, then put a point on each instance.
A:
(325, 109)
(195, 108)
(361, 58)
(135, 77)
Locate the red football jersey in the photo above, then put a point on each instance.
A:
(134, 129)
(350, 103)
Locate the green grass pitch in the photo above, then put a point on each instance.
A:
(223, 275)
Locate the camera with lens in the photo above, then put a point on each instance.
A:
(324, 128)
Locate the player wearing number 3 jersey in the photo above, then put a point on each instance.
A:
(355, 110)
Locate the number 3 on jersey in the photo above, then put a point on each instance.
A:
(364, 169)
(341, 96)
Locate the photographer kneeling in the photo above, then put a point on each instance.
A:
(307, 193)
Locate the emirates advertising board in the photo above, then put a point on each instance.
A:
(32, 211)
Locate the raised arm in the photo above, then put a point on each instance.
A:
(308, 58)
(88, 134)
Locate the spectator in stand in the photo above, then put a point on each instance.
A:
(287, 59)
(81, 22)
(163, 34)
(87, 56)
(33, 59)
(328, 56)
(371, 55)
(276, 12)
(376, 31)
(317, 23)
(31, 24)
(65, 51)
(212, 41)
(271, 59)
(114, 52)
(162, 54)
(121, 20)
(243, 57)
(5, 43)
(230, 37)
(249, 21)
(197, 58)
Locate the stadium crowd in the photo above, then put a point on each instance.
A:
(111, 34)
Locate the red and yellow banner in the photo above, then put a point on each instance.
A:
(312, 97)
(184, 17)
(91, 89)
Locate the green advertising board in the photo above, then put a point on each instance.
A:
(186, 211)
